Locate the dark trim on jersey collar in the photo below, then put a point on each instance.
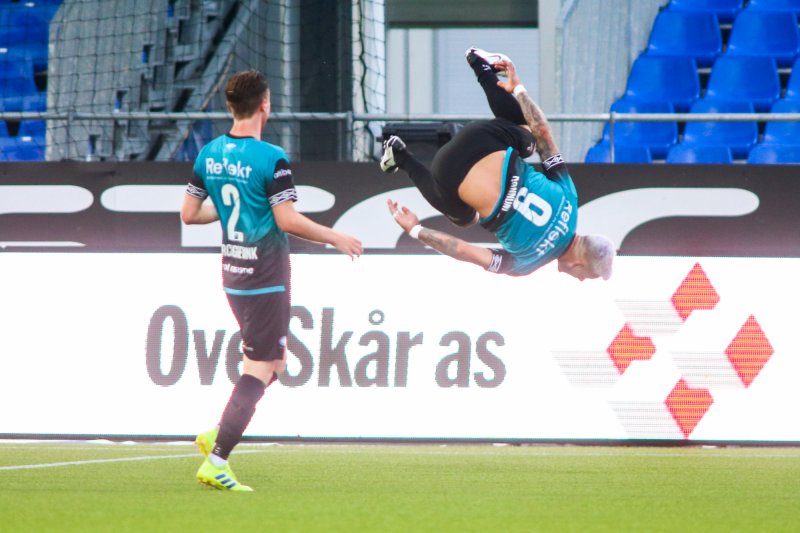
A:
(232, 136)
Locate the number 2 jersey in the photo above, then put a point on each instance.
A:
(245, 177)
(535, 216)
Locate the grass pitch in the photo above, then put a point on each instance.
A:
(53, 486)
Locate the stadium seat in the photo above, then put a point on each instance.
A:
(793, 86)
(745, 79)
(726, 10)
(692, 34)
(774, 154)
(667, 79)
(783, 132)
(792, 6)
(738, 136)
(20, 149)
(657, 136)
(3, 128)
(32, 128)
(17, 87)
(767, 34)
(701, 154)
(601, 153)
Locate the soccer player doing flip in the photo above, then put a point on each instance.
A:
(481, 176)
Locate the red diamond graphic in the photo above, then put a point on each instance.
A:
(627, 348)
(695, 292)
(687, 406)
(749, 351)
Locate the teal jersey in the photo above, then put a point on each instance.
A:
(245, 178)
(535, 217)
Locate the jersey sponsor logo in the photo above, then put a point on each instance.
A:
(240, 252)
(560, 229)
(282, 173)
(215, 168)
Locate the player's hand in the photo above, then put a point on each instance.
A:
(348, 245)
(404, 217)
(512, 80)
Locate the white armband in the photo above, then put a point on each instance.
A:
(414, 232)
(519, 89)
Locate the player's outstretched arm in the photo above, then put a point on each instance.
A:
(299, 225)
(540, 128)
(440, 241)
(196, 211)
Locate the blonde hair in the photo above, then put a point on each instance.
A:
(599, 252)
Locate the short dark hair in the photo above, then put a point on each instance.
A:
(245, 91)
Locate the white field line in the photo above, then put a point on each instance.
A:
(116, 460)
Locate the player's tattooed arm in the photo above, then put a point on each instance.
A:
(456, 248)
(545, 145)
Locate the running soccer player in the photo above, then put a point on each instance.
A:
(481, 176)
(252, 194)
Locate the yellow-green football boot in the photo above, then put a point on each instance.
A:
(220, 477)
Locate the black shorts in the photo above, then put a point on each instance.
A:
(264, 322)
(454, 160)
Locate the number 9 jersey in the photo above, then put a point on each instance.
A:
(245, 177)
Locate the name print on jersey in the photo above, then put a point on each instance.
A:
(216, 168)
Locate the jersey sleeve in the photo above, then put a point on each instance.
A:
(281, 188)
(196, 187)
(555, 168)
(502, 262)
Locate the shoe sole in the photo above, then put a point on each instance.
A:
(207, 483)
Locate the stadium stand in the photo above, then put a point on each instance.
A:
(725, 10)
(738, 136)
(783, 132)
(752, 79)
(701, 154)
(792, 6)
(793, 85)
(692, 34)
(601, 153)
(657, 136)
(772, 34)
(664, 79)
(774, 154)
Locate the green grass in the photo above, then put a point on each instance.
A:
(404, 488)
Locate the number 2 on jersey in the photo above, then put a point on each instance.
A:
(230, 197)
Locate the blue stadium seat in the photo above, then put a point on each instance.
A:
(793, 86)
(16, 149)
(765, 33)
(745, 79)
(783, 132)
(18, 90)
(601, 153)
(3, 128)
(693, 34)
(666, 79)
(657, 136)
(793, 6)
(700, 154)
(726, 10)
(774, 154)
(738, 136)
(32, 128)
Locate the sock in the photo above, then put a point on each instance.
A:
(423, 180)
(217, 461)
(238, 413)
(503, 104)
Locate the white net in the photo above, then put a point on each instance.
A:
(127, 80)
